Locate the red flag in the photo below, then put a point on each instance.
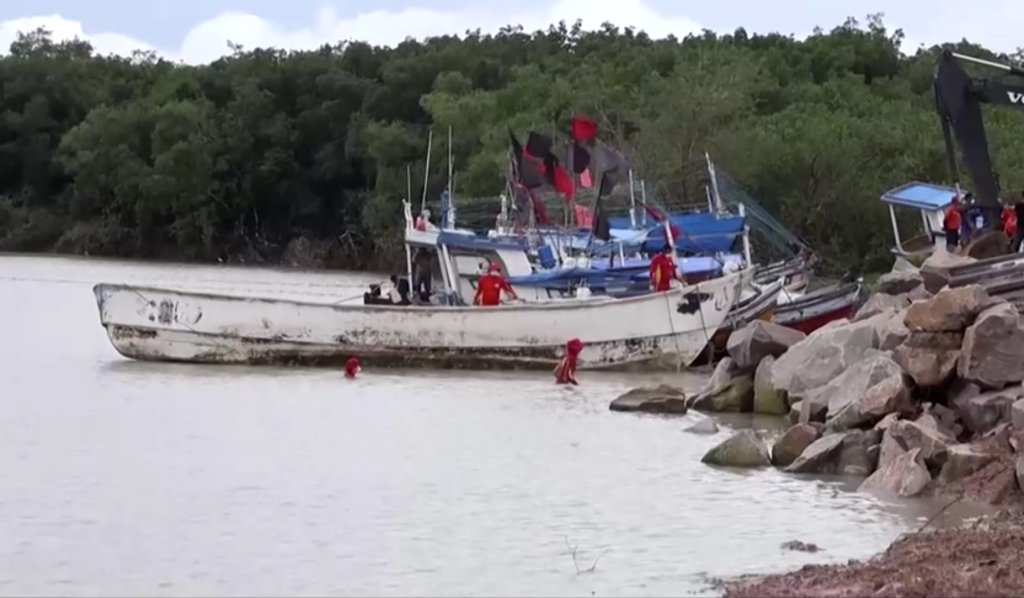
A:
(583, 129)
(563, 183)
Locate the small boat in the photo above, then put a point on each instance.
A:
(170, 325)
(813, 310)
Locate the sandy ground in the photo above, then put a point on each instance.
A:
(981, 560)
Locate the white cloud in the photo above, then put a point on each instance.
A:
(207, 41)
(64, 29)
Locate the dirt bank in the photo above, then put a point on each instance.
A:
(980, 560)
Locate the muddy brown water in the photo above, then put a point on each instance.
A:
(128, 478)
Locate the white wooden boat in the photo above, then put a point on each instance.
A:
(171, 325)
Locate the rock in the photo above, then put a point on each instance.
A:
(993, 484)
(993, 348)
(929, 358)
(866, 392)
(918, 294)
(935, 270)
(893, 332)
(874, 451)
(798, 546)
(881, 303)
(823, 355)
(905, 476)
(736, 397)
(794, 411)
(767, 399)
(989, 244)
(921, 434)
(841, 453)
(897, 282)
(660, 399)
(902, 264)
(704, 426)
(1019, 468)
(814, 407)
(889, 449)
(743, 449)
(948, 419)
(1017, 419)
(950, 310)
(985, 411)
(962, 460)
(787, 448)
(759, 339)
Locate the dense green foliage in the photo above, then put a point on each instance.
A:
(269, 155)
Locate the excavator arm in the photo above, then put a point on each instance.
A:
(958, 99)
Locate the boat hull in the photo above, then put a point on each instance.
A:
(812, 311)
(169, 325)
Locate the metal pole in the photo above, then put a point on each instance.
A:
(746, 236)
(426, 171)
(451, 187)
(632, 201)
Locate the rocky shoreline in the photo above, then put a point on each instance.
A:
(979, 560)
(919, 394)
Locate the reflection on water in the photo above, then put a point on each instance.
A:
(120, 477)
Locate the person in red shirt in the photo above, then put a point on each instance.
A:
(951, 224)
(1009, 220)
(565, 371)
(490, 285)
(663, 270)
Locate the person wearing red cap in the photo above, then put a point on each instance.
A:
(565, 371)
(490, 285)
(352, 367)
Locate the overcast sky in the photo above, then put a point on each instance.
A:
(197, 31)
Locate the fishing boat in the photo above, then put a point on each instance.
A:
(755, 303)
(810, 311)
(157, 324)
(172, 325)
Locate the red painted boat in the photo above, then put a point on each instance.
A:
(813, 310)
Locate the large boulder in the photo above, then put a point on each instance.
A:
(904, 476)
(823, 355)
(993, 484)
(897, 282)
(1017, 420)
(1019, 469)
(892, 332)
(902, 264)
(993, 348)
(988, 244)
(759, 339)
(796, 439)
(767, 399)
(659, 399)
(946, 419)
(963, 460)
(881, 303)
(743, 449)
(983, 412)
(935, 270)
(794, 412)
(847, 453)
(929, 358)
(814, 406)
(922, 434)
(950, 310)
(866, 392)
(735, 397)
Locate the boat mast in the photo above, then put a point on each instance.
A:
(632, 200)
(409, 222)
(445, 220)
(714, 185)
(426, 171)
(643, 200)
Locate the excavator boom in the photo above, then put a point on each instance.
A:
(958, 100)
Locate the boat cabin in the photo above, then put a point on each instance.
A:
(929, 201)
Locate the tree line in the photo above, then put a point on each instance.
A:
(271, 156)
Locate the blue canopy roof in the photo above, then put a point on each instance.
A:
(699, 233)
(924, 196)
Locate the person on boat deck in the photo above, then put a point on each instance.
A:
(1018, 237)
(951, 224)
(972, 218)
(663, 270)
(1008, 219)
(423, 220)
(490, 285)
(399, 292)
(422, 274)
